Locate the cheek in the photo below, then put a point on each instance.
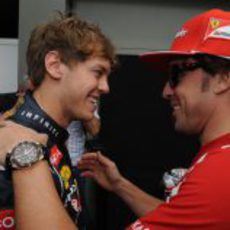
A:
(87, 80)
(196, 112)
(89, 86)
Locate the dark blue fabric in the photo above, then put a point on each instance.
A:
(31, 115)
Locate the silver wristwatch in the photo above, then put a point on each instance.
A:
(24, 155)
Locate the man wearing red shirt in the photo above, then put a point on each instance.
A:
(198, 90)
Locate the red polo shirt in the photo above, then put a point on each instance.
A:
(201, 201)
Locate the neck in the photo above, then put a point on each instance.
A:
(49, 101)
(218, 126)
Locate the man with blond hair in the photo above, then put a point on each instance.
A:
(69, 61)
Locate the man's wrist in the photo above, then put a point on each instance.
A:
(24, 154)
(119, 185)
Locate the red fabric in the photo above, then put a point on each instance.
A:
(205, 33)
(7, 219)
(203, 198)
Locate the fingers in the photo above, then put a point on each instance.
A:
(88, 174)
(90, 155)
(89, 165)
(89, 168)
(2, 118)
(2, 125)
(21, 133)
(43, 138)
(7, 122)
(96, 156)
(103, 159)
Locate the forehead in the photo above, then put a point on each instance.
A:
(97, 62)
(100, 62)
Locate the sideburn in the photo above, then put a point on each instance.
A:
(205, 84)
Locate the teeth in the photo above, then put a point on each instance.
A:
(94, 101)
(176, 107)
(174, 104)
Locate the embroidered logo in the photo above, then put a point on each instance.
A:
(65, 173)
(181, 33)
(76, 205)
(55, 156)
(138, 226)
(7, 220)
(218, 28)
(73, 197)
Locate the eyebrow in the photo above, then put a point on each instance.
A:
(104, 69)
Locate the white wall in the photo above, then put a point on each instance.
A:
(137, 26)
(31, 13)
(8, 65)
(134, 26)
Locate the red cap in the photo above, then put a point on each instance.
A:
(207, 33)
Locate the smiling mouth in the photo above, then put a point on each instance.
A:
(174, 105)
(94, 100)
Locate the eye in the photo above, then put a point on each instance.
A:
(177, 72)
(98, 72)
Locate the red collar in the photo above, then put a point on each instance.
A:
(216, 143)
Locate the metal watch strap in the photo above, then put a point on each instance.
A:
(14, 162)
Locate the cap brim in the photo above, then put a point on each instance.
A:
(159, 60)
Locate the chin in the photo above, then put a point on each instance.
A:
(87, 117)
(180, 128)
(185, 129)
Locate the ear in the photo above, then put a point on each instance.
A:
(53, 64)
(221, 83)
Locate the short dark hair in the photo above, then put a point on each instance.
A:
(213, 64)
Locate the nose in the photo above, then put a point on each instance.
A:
(167, 91)
(103, 85)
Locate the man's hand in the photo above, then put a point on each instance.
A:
(102, 169)
(92, 126)
(11, 134)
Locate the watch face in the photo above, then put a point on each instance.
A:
(25, 154)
